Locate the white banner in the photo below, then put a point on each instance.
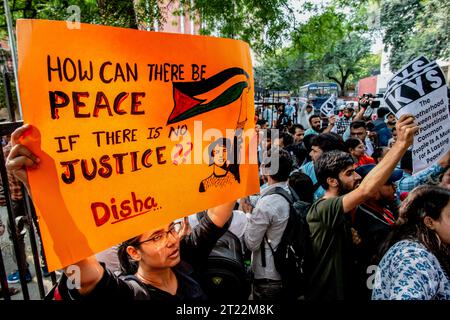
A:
(422, 93)
(327, 108)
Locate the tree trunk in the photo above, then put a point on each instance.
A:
(341, 82)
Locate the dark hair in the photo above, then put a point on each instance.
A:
(312, 117)
(352, 143)
(302, 185)
(328, 142)
(284, 164)
(378, 152)
(407, 163)
(295, 127)
(441, 176)
(224, 142)
(425, 200)
(330, 164)
(307, 142)
(382, 112)
(288, 139)
(128, 265)
(358, 124)
(261, 122)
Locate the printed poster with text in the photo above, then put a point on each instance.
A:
(419, 88)
(134, 129)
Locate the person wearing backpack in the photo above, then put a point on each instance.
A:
(329, 218)
(265, 226)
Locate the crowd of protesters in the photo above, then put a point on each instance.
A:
(377, 230)
(362, 220)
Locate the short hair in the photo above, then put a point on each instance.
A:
(407, 163)
(288, 139)
(330, 164)
(284, 165)
(352, 143)
(302, 185)
(390, 114)
(382, 112)
(358, 124)
(328, 142)
(312, 117)
(224, 142)
(282, 127)
(295, 127)
(307, 142)
(261, 122)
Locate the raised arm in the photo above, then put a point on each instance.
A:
(19, 160)
(197, 246)
(221, 214)
(377, 177)
(331, 123)
(362, 109)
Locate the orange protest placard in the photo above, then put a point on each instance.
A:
(134, 129)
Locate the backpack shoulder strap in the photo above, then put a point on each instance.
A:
(263, 250)
(290, 199)
(282, 192)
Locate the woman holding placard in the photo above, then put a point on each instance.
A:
(157, 264)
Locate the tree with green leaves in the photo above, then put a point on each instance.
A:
(337, 42)
(112, 12)
(415, 27)
(343, 60)
(263, 24)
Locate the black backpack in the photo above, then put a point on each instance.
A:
(292, 255)
(225, 276)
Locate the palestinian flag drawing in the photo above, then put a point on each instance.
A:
(197, 97)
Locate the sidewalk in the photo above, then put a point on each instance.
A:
(10, 266)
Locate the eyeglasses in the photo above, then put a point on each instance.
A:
(160, 239)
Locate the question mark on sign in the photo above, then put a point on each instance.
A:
(188, 152)
(177, 154)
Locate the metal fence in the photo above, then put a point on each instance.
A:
(22, 223)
